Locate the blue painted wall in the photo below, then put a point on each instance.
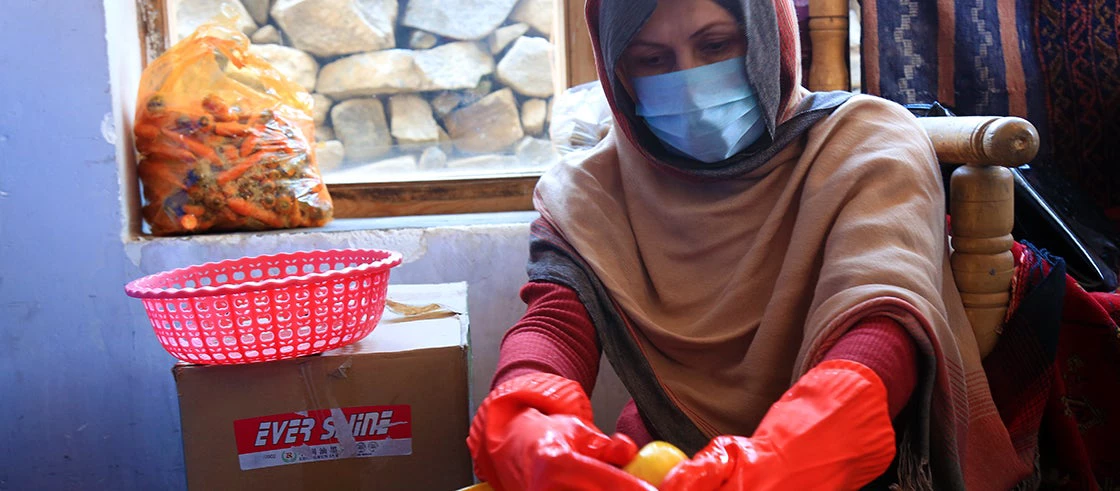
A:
(86, 397)
(87, 400)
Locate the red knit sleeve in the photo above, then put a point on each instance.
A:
(877, 342)
(883, 345)
(554, 336)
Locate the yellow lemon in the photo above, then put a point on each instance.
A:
(478, 487)
(654, 461)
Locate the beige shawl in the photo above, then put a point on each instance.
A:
(734, 288)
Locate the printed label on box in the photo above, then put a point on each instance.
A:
(323, 434)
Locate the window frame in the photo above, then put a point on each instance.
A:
(574, 65)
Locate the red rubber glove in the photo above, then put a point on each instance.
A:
(535, 433)
(831, 430)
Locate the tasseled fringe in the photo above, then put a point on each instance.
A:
(914, 472)
(1035, 480)
(913, 469)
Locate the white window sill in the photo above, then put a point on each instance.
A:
(340, 225)
(408, 235)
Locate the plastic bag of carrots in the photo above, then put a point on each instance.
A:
(225, 141)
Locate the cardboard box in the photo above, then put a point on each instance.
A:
(402, 392)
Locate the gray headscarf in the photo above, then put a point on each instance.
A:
(620, 20)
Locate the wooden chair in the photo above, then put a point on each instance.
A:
(981, 192)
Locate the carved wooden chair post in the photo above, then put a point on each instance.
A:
(828, 34)
(981, 192)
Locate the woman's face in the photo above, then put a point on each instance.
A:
(682, 34)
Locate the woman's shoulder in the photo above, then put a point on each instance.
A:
(869, 122)
(591, 170)
(874, 138)
(865, 110)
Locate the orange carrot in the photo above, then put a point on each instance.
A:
(204, 225)
(240, 168)
(164, 151)
(230, 153)
(245, 208)
(229, 216)
(231, 129)
(201, 150)
(161, 173)
(195, 209)
(279, 146)
(248, 145)
(229, 191)
(146, 131)
(204, 124)
(189, 221)
(217, 108)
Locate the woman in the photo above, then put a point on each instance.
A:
(766, 269)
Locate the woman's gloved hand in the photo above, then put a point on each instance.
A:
(831, 430)
(535, 433)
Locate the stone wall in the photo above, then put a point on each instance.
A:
(406, 86)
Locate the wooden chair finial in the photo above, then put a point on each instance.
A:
(828, 31)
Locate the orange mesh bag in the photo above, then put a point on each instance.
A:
(225, 141)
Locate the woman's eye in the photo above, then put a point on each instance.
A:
(715, 47)
(652, 61)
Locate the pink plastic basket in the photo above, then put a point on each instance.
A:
(267, 307)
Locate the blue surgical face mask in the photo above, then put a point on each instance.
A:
(707, 113)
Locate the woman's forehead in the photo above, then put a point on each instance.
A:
(676, 20)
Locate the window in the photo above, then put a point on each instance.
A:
(421, 106)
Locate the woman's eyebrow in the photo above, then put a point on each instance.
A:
(651, 44)
(717, 25)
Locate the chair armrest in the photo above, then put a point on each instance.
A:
(982, 140)
(982, 210)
